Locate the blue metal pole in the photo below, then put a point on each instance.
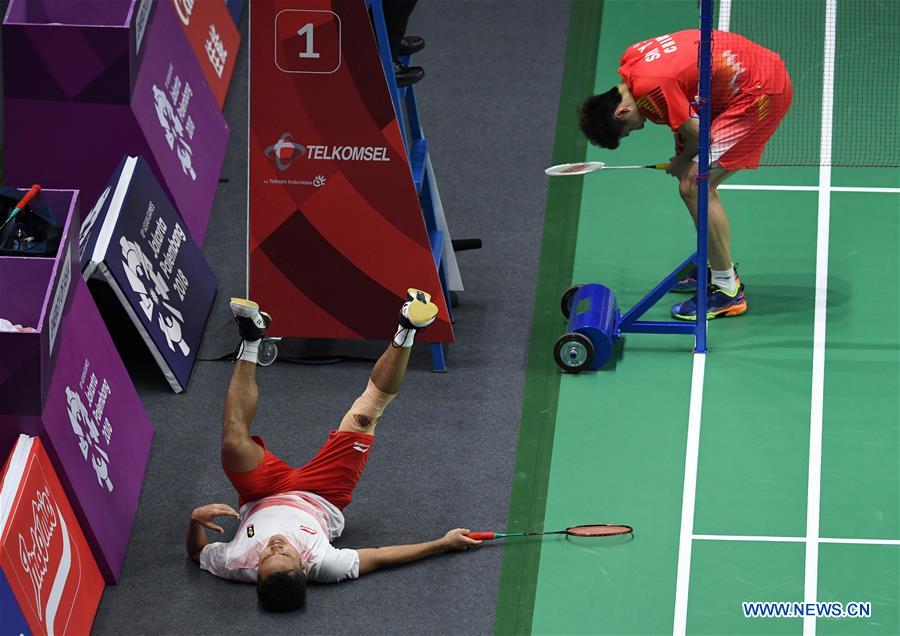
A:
(387, 63)
(705, 61)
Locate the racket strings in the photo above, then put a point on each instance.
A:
(598, 531)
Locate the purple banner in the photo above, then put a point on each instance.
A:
(33, 292)
(181, 121)
(97, 431)
(75, 393)
(135, 241)
(73, 50)
(172, 120)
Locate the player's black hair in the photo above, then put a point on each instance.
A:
(597, 120)
(282, 591)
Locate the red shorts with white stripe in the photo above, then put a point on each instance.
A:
(740, 133)
(333, 473)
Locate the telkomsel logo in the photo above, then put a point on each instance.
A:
(284, 151)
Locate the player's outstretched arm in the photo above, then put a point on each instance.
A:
(371, 559)
(201, 518)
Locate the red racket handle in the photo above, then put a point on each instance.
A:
(32, 192)
(481, 536)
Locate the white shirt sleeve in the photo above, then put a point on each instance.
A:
(212, 559)
(336, 565)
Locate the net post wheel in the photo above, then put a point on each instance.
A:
(593, 314)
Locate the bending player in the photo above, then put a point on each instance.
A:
(751, 92)
(289, 516)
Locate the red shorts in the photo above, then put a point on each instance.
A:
(740, 133)
(333, 473)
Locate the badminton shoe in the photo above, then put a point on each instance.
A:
(688, 284)
(418, 311)
(251, 322)
(719, 305)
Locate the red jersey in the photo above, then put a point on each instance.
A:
(663, 77)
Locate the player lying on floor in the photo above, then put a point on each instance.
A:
(289, 515)
(751, 92)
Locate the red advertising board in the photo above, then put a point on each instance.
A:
(214, 37)
(336, 233)
(43, 553)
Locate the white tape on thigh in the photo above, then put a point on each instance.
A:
(370, 404)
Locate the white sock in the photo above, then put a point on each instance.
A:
(249, 351)
(725, 280)
(404, 337)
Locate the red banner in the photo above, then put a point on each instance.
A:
(43, 552)
(214, 38)
(336, 231)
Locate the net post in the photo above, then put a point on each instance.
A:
(705, 67)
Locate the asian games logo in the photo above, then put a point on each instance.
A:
(153, 294)
(92, 429)
(284, 151)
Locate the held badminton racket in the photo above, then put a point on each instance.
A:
(573, 169)
(24, 201)
(601, 530)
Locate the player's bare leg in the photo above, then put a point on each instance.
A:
(390, 369)
(719, 230)
(239, 452)
(726, 292)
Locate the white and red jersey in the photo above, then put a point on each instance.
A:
(662, 74)
(308, 521)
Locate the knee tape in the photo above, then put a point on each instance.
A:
(370, 404)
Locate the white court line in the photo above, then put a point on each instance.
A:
(762, 538)
(724, 15)
(863, 541)
(688, 496)
(789, 188)
(813, 494)
(873, 190)
(793, 188)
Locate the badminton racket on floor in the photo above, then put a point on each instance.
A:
(602, 530)
(573, 169)
(24, 201)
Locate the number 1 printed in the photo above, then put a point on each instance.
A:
(307, 31)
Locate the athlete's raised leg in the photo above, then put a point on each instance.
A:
(239, 452)
(387, 376)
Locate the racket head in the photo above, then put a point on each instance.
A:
(574, 169)
(599, 530)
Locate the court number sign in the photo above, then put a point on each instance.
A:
(307, 41)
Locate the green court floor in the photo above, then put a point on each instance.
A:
(800, 408)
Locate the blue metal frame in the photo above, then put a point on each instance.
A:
(706, 17)
(416, 145)
(384, 52)
(630, 322)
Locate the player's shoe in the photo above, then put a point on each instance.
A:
(688, 284)
(417, 294)
(719, 305)
(251, 322)
(418, 311)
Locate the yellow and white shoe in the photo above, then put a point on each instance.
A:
(418, 311)
(417, 294)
